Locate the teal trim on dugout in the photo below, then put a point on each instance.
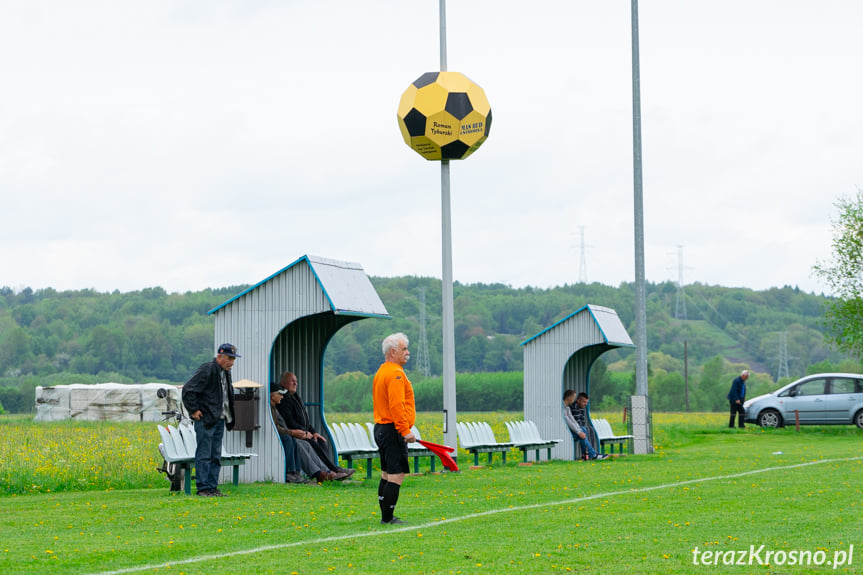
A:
(305, 258)
(265, 280)
(576, 312)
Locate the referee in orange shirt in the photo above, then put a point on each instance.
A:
(395, 413)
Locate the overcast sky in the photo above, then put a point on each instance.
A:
(195, 144)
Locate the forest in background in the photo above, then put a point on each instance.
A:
(698, 339)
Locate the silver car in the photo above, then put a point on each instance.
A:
(820, 399)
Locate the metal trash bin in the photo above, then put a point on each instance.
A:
(246, 404)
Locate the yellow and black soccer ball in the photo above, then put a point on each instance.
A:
(444, 116)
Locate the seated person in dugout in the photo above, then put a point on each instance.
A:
(289, 444)
(296, 417)
(309, 460)
(577, 423)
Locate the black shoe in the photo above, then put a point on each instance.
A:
(393, 521)
(217, 493)
(207, 493)
(601, 456)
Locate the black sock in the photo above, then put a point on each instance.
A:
(390, 498)
(381, 485)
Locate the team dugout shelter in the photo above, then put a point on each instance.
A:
(559, 358)
(284, 323)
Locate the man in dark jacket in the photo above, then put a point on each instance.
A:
(296, 416)
(209, 399)
(736, 397)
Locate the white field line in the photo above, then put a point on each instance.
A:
(389, 531)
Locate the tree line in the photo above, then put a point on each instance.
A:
(50, 337)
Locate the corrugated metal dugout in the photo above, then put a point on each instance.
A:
(559, 358)
(284, 323)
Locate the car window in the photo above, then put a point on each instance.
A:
(844, 385)
(814, 387)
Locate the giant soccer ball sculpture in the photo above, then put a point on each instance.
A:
(444, 116)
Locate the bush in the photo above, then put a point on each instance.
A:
(17, 400)
(499, 391)
(349, 392)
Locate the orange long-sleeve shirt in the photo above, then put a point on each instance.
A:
(393, 397)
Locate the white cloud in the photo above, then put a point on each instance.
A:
(200, 144)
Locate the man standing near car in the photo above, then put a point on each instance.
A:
(736, 397)
(209, 399)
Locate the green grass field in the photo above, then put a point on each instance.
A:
(708, 495)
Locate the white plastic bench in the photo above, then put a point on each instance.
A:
(478, 438)
(178, 458)
(604, 434)
(525, 435)
(179, 445)
(351, 446)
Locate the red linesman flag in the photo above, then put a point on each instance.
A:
(442, 451)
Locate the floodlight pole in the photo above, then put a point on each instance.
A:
(640, 294)
(642, 444)
(450, 436)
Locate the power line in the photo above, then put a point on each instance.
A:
(737, 335)
(582, 260)
(782, 369)
(680, 303)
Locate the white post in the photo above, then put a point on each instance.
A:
(450, 436)
(643, 444)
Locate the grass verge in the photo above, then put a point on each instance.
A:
(706, 488)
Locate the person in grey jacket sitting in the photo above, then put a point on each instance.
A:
(578, 431)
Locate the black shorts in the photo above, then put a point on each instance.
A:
(393, 449)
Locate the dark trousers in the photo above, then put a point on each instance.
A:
(738, 409)
(208, 455)
(323, 451)
(292, 455)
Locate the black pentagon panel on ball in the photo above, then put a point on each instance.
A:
(454, 150)
(458, 104)
(426, 79)
(488, 124)
(415, 123)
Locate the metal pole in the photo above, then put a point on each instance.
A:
(640, 290)
(686, 374)
(640, 295)
(448, 320)
(442, 10)
(450, 437)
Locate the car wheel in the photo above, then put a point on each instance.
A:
(769, 418)
(858, 419)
